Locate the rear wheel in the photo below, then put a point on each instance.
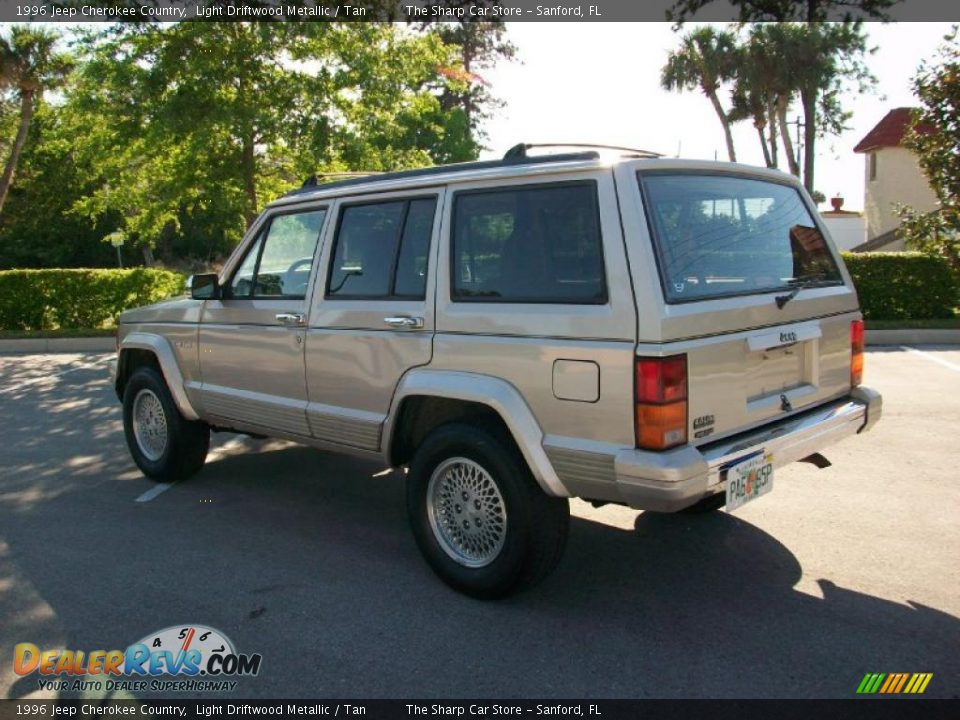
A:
(478, 516)
(165, 445)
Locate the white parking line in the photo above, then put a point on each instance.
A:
(154, 492)
(34, 381)
(934, 358)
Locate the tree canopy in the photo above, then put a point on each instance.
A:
(181, 132)
(935, 138)
(769, 67)
(30, 65)
(809, 11)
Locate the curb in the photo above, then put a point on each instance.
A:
(55, 345)
(915, 336)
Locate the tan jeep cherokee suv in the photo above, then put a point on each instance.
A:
(619, 327)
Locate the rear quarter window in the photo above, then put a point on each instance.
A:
(538, 244)
(719, 235)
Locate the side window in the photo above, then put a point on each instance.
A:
(381, 250)
(278, 264)
(528, 245)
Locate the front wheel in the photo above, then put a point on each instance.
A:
(478, 516)
(165, 445)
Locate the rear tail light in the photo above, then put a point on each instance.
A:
(661, 402)
(856, 352)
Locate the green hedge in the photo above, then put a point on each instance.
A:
(903, 285)
(50, 299)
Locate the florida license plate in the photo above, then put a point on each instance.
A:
(748, 480)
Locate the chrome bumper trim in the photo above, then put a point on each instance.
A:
(675, 479)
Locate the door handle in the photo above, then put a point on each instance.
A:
(403, 321)
(286, 318)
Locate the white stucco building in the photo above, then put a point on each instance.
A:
(847, 228)
(892, 176)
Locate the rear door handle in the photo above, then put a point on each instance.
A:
(291, 318)
(404, 321)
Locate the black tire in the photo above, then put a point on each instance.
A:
(536, 524)
(187, 442)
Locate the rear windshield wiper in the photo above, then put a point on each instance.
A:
(798, 285)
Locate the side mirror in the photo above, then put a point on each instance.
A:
(205, 286)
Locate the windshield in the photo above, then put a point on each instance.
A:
(722, 235)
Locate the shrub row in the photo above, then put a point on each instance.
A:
(903, 285)
(52, 299)
(891, 286)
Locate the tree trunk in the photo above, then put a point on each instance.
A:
(26, 116)
(772, 126)
(249, 179)
(763, 143)
(788, 148)
(731, 153)
(809, 101)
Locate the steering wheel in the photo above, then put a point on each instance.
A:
(289, 279)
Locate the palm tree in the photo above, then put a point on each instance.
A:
(705, 60)
(29, 66)
(767, 77)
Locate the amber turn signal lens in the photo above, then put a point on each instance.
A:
(661, 426)
(856, 352)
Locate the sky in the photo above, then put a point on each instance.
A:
(600, 83)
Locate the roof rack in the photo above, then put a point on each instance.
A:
(520, 150)
(311, 184)
(314, 180)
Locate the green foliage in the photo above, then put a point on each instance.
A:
(899, 286)
(30, 65)
(938, 148)
(36, 228)
(189, 152)
(781, 10)
(79, 298)
(769, 67)
(705, 59)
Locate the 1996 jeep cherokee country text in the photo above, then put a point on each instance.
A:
(620, 328)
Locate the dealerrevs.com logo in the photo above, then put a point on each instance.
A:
(182, 658)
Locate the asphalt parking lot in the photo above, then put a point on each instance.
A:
(306, 559)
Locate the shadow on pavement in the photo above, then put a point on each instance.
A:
(306, 558)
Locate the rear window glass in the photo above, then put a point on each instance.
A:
(723, 235)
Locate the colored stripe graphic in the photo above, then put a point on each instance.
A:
(893, 683)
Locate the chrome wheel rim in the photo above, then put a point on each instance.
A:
(149, 425)
(467, 513)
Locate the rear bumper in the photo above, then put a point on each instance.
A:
(678, 478)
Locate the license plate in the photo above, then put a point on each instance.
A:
(748, 480)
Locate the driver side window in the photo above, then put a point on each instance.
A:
(278, 264)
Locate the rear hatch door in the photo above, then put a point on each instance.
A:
(749, 287)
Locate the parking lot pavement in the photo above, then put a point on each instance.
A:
(305, 558)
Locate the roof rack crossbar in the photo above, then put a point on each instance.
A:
(520, 150)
